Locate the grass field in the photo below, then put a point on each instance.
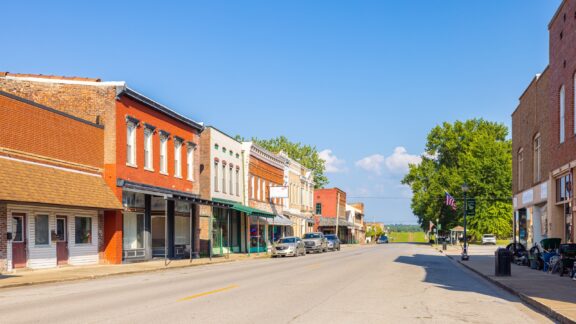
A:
(406, 237)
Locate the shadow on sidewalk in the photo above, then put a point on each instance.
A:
(444, 274)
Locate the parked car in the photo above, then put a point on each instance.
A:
(333, 242)
(382, 240)
(288, 246)
(488, 239)
(315, 242)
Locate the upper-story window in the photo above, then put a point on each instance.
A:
(564, 188)
(178, 158)
(216, 168)
(562, 113)
(258, 189)
(238, 182)
(223, 177)
(537, 160)
(131, 144)
(148, 154)
(231, 179)
(318, 209)
(520, 168)
(190, 162)
(163, 154)
(252, 187)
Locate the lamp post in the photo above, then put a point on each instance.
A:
(465, 190)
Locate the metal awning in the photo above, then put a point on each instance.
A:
(244, 209)
(331, 221)
(277, 220)
(169, 194)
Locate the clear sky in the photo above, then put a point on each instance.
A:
(364, 81)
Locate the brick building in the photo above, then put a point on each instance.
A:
(544, 140)
(264, 171)
(330, 211)
(52, 194)
(150, 161)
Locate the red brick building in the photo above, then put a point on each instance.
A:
(52, 194)
(330, 204)
(544, 140)
(150, 161)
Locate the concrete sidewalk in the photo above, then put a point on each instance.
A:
(550, 294)
(21, 278)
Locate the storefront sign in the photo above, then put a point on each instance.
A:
(278, 192)
(527, 196)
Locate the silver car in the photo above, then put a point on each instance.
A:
(315, 242)
(288, 246)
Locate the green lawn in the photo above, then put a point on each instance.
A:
(407, 237)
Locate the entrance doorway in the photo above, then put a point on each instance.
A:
(61, 240)
(19, 241)
(158, 235)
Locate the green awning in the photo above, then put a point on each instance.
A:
(245, 209)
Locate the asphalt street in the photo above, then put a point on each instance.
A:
(392, 283)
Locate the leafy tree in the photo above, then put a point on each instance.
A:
(306, 155)
(476, 152)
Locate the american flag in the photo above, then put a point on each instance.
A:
(450, 201)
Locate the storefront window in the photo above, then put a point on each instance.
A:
(564, 188)
(133, 236)
(257, 238)
(182, 223)
(132, 199)
(41, 230)
(83, 230)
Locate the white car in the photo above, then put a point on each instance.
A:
(488, 239)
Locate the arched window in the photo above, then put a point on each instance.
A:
(537, 159)
(520, 168)
(562, 113)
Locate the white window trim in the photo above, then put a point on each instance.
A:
(216, 177)
(163, 155)
(131, 139)
(149, 149)
(537, 158)
(224, 178)
(177, 159)
(190, 162)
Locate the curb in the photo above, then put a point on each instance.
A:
(117, 274)
(554, 315)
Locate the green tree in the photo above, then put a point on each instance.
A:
(476, 152)
(304, 154)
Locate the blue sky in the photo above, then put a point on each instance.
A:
(364, 81)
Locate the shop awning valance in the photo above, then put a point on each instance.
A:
(331, 221)
(22, 181)
(277, 220)
(244, 209)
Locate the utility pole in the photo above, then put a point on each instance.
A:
(465, 256)
(337, 212)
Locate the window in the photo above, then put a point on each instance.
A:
(537, 158)
(564, 188)
(216, 167)
(133, 231)
(18, 228)
(83, 230)
(231, 180)
(237, 182)
(258, 189)
(216, 146)
(164, 154)
(148, 164)
(252, 187)
(318, 209)
(264, 196)
(190, 163)
(42, 230)
(520, 168)
(562, 113)
(131, 144)
(177, 159)
(223, 178)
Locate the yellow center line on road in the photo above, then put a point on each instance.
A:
(208, 293)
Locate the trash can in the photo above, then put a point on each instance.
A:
(503, 262)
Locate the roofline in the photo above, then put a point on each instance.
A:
(52, 110)
(67, 81)
(557, 13)
(536, 78)
(155, 105)
(223, 133)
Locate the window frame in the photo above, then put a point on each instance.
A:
(231, 179)
(164, 155)
(131, 144)
(148, 149)
(190, 162)
(216, 169)
(562, 107)
(318, 209)
(537, 164)
(49, 241)
(224, 178)
(91, 236)
(520, 168)
(178, 159)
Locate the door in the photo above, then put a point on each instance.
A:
(19, 241)
(62, 240)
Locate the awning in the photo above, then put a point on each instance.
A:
(244, 209)
(23, 181)
(330, 222)
(290, 214)
(277, 220)
(170, 194)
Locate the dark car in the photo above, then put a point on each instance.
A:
(333, 242)
(382, 239)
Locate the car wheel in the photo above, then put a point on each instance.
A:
(338, 248)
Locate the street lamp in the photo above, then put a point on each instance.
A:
(465, 190)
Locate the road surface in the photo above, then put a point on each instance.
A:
(395, 283)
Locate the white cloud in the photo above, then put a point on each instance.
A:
(399, 161)
(332, 163)
(372, 163)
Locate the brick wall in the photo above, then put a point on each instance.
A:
(89, 102)
(328, 198)
(3, 241)
(34, 130)
(205, 164)
(529, 119)
(273, 176)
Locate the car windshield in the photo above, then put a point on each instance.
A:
(287, 240)
(331, 237)
(488, 235)
(311, 236)
(383, 237)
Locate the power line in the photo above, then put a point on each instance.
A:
(439, 198)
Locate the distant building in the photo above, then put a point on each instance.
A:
(330, 211)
